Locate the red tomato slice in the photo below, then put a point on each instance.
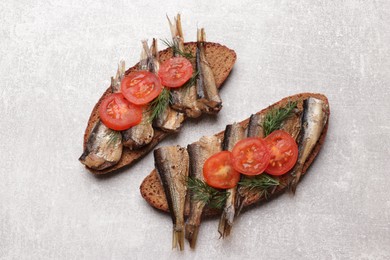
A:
(141, 87)
(250, 156)
(175, 72)
(119, 114)
(218, 171)
(284, 152)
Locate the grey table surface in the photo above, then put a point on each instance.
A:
(56, 59)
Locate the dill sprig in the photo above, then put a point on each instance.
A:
(159, 104)
(192, 80)
(262, 184)
(176, 49)
(275, 117)
(211, 197)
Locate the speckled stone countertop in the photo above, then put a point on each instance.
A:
(56, 59)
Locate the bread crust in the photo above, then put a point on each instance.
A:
(221, 60)
(153, 192)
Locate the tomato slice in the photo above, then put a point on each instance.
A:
(284, 152)
(119, 114)
(250, 156)
(141, 87)
(218, 171)
(175, 72)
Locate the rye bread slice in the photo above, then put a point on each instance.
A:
(221, 60)
(152, 191)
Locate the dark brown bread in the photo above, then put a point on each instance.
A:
(221, 60)
(153, 192)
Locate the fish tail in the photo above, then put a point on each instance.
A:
(154, 48)
(228, 228)
(175, 26)
(143, 63)
(145, 48)
(192, 234)
(172, 26)
(122, 68)
(179, 29)
(221, 226)
(224, 227)
(296, 176)
(292, 186)
(154, 64)
(113, 83)
(178, 239)
(240, 201)
(148, 57)
(120, 73)
(202, 35)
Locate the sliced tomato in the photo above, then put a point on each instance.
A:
(141, 87)
(175, 72)
(250, 156)
(218, 171)
(119, 114)
(284, 152)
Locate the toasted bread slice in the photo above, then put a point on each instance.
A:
(221, 60)
(153, 192)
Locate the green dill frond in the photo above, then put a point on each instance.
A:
(168, 43)
(218, 200)
(275, 117)
(159, 104)
(209, 196)
(176, 49)
(262, 184)
(192, 80)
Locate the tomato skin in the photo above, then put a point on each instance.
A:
(119, 114)
(141, 87)
(175, 72)
(218, 171)
(250, 156)
(284, 152)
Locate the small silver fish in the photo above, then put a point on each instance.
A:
(142, 134)
(184, 99)
(254, 129)
(104, 145)
(198, 153)
(233, 134)
(103, 149)
(207, 90)
(313, 121)
(172, 165)
(169, 120)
